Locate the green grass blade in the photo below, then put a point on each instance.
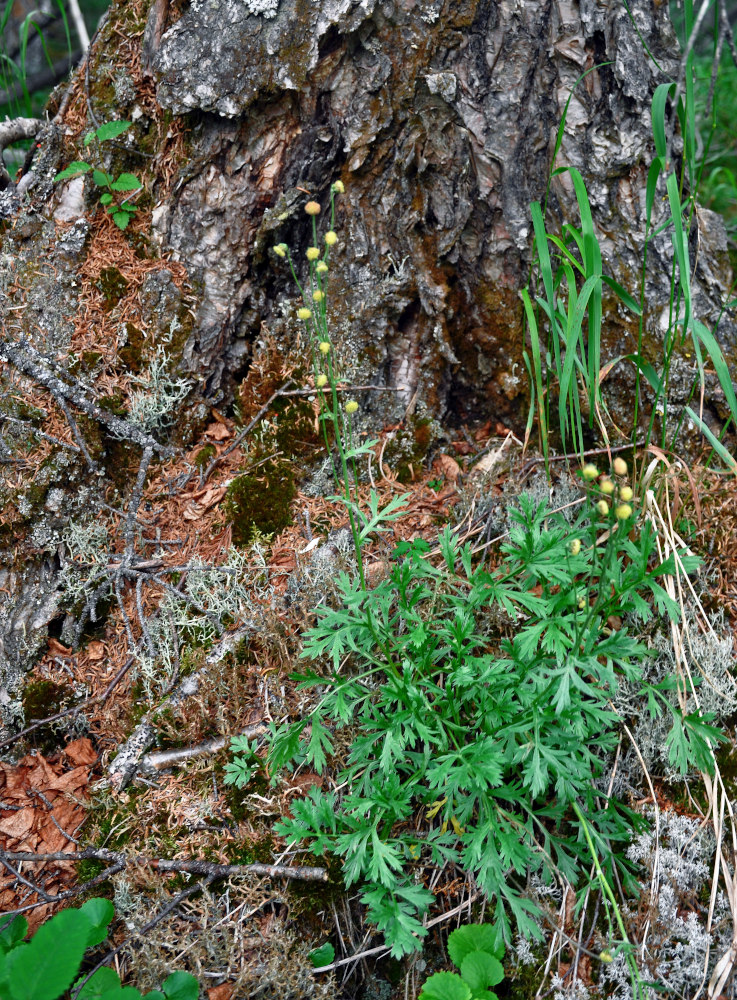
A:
(713, 440)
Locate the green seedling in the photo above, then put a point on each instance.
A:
(111, 187)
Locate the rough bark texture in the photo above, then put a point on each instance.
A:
(440, 118)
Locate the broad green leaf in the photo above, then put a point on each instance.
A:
(121, 219)
(445, 986)
(13, 934)
(126, 182)
(181, 986)
(101, 178)
(111, 130)
(73, 170)
(103, 981)
(481, 970)
(45, 967)
(99, 912)
(322, 956)
(106, 198)
(475, 937)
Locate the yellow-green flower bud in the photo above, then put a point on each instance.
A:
(606, 957)
(589, 472)
(603, 508)
(575, 546)
(312, 208)
(351, 406)
(623, 511)
(338, 187)
(626, 494)
(581, 604)
(317, 295)
(304, 313)
(331, 238)
(606, 486)
(280, 249)
(324, 347)
(620, 466)
(321, 381)
(312, 253)
(321, 267)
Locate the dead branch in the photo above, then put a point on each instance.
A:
(30, 362)
(12, 131)
(192, 866)
(161, 759)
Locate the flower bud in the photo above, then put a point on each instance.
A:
(321, 267)
(603, 508)
(589, 472)
(606, 957)
(317, 295)
(280, 249)
(331, 238)
(606, 486)
(351, 406)
(312, 208)
(324, 347)
(581, 604)
(338, 187)
(620, 466)
(304, 314)
(321, 381)
(626, 494)
(623, 511)
(575, 546)
(312, 253)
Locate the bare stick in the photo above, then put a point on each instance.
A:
(27, 359)
(193, 866)
(246, 430)
(34, 430)
(12, 131)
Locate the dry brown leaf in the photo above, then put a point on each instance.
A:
(218, 431)
(81, 751)
(18, 824)
(95, 650)
(447, 466)
(56, 648)
(222, 992)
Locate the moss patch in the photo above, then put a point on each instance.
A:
(113, 286)
(260, 500)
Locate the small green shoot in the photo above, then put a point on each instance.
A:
(111, 187)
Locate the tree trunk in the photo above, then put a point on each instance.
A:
(439, 117)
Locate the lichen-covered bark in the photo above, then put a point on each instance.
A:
(439, 116)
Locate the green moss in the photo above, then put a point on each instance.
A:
(113, 286)
(405, 453)
(310, 898)
(260, 500)
(89, 868)
(252, 851)
(42, 699)
(131, 354)
(295, 433)
(113, 404)
(205, 455)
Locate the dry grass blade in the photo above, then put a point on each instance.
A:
(720, 812)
